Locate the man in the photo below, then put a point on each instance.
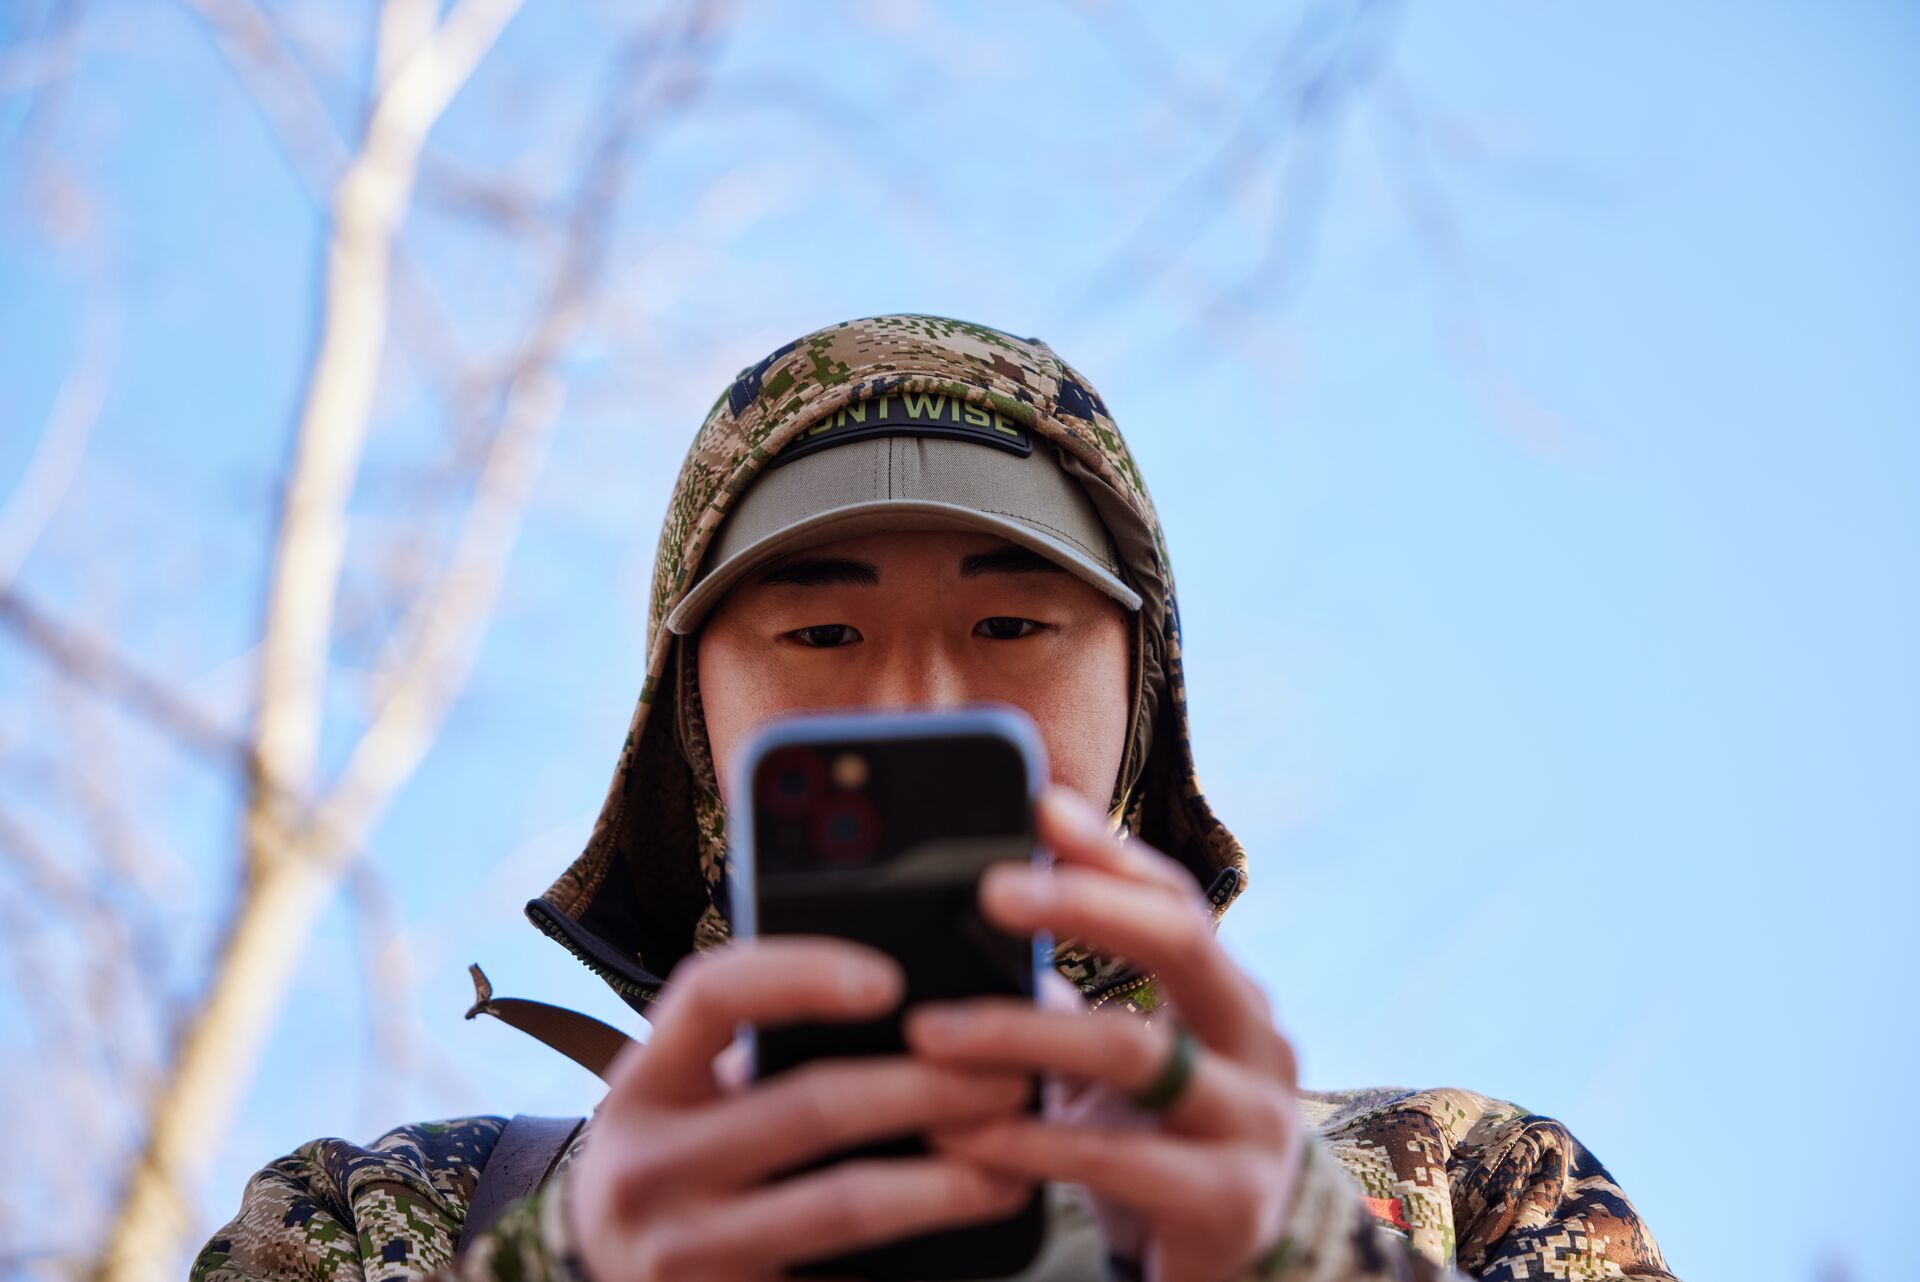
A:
(910, 511)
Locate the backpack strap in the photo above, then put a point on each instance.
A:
(522, 1159)
(581, 1038)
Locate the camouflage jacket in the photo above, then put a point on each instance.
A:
(1415, 1185)
(1397, 1184)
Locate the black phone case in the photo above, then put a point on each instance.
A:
(876, 828)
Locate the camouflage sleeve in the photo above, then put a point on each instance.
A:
(1531, 1202)
(1332, 1235)
(340, 1212)
(1451, 1185)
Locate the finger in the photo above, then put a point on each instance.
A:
(1079, 834)
(1169, 1179)
(762, 982)
(831, 1105)
(1076, 833)
(1220, 1099)
(1146, 926)
(843, 1208)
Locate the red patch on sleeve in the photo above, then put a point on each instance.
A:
(1388, 1210)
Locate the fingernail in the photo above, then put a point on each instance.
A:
(937, 1024)
(866, 983)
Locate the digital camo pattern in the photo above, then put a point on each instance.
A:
(336, 1211)
(1430, 1185)
(1498, 1192)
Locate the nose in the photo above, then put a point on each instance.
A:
(920, 674)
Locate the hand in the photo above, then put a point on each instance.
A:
(674, 1179)
(1208, 1190)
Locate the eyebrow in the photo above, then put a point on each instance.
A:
(821, 572)
(1008, 560)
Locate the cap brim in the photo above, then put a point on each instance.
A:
(879, 517)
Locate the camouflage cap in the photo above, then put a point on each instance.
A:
(872, 468)
(650, 887)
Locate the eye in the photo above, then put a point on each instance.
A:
(826, 636)
(1006, 627)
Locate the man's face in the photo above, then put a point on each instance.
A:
(923, 620)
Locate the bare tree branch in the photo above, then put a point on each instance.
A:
(63, 443)
(279, 88)
(1306, 155)
(130, 979)
(1402, 137)
(92, 664)
(438, 644)
(368, 205)
(1292, 102)
(1142, 55)
(298, 120)
(386, 979)
(39, 66)
(295, 857)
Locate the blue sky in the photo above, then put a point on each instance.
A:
(1544, 515)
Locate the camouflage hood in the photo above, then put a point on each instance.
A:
(650, 887)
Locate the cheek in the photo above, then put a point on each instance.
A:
(746, 680)
(1082, 712)
(735, 696)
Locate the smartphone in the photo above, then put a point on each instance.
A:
(876, 827)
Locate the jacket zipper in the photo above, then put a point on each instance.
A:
(611, 976)
(1122, 989)
(1226, 887)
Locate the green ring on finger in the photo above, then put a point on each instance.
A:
(1162, 1092)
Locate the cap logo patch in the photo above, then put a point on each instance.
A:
(910, 414)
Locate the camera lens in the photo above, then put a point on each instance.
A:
(789, 781)
(846, 829)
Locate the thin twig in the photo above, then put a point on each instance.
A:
(95, 666)
(279, 88)
(1402, 138)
